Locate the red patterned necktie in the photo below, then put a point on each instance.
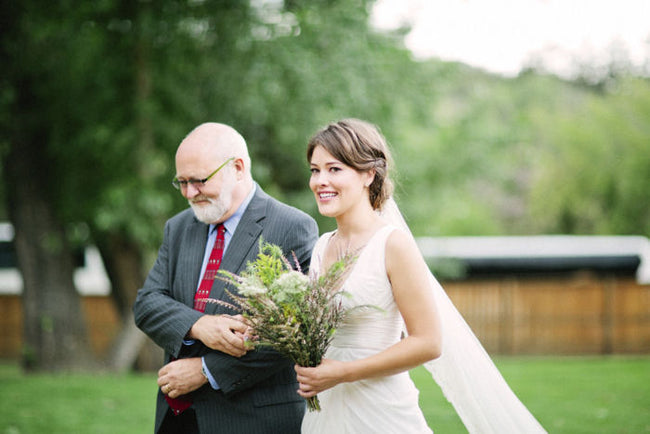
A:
(200, 298)
(183, 402)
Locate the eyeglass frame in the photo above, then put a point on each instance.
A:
(178, 184)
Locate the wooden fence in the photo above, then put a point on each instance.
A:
(101, 318)
(569, 313)
(577, 313)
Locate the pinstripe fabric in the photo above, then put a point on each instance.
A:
(258, 390)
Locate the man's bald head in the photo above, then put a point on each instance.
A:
(213, 140)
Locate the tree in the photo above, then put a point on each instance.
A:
(98, 96)
(54, 332)
(596, 164)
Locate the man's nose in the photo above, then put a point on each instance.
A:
(191, 190)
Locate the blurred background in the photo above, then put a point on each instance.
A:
(520, 131)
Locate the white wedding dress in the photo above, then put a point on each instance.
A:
(465, 372)
(378, 405)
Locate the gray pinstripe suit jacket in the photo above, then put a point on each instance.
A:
(257, 391)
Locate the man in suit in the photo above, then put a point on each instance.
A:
(232, 390)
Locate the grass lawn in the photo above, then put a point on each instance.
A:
(567, 395)
(571, 395)
(71, 404)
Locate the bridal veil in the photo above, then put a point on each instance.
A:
(465, 372)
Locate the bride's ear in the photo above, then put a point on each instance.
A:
(370, 177)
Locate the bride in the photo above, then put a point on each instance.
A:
(363, 382)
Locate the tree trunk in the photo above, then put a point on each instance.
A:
(54, 329)
(123, 262)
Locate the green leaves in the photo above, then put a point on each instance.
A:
(269, 265)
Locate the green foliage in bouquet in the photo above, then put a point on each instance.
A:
(295, 314)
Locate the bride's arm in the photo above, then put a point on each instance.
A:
(409, 277)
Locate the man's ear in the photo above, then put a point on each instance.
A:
(240, 168)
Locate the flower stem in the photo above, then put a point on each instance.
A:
(313, 404)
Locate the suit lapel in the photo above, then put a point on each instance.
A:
(194, 241)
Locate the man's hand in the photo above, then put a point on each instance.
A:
(181, 377)
(224, 333)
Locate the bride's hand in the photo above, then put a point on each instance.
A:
(324, 376)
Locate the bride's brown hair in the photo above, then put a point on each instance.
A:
(360, 145)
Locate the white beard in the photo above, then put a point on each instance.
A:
(217, 208)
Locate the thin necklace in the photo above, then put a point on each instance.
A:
(342, 251)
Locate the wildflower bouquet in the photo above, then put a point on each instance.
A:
(295, 314)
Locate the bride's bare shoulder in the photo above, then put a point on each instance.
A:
(401, 245)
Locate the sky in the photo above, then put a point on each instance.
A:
(502, 36)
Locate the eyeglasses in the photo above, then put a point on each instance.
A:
(178, 184)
